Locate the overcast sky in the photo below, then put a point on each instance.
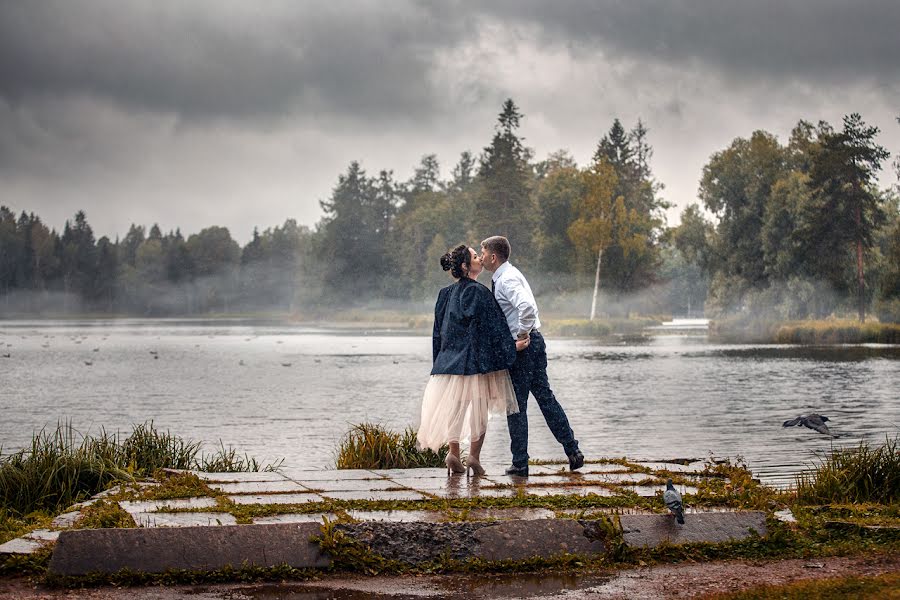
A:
(242, 114)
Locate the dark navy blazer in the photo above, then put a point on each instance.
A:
(470, 332)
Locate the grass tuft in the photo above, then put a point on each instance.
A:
(854, 475)
(372, 446)
(62, 467)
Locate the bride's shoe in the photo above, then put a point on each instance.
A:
(454, 465)
(475, 466)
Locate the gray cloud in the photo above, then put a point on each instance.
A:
(810, 40)
(224, 59)
(243, 113)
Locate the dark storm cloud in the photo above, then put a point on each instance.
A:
(810, 40)
(224, 59)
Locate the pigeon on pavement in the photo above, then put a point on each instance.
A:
(673, 502)
(814, 422)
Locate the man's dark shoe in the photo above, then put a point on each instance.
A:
(576, 460)
(518, 471)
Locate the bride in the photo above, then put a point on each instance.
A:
(472, 350)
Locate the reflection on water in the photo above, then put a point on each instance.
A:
(673, 396)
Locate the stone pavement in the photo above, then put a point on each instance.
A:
(195, 533)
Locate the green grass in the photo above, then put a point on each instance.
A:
(372, 446)
(62, 467)
(854, 475)
(104, 514)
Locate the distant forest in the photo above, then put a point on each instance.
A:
(798, 230)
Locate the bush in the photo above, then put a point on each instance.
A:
(371, 446)
(888, 311)
(854, 475)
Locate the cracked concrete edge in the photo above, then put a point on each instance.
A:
(80, 552)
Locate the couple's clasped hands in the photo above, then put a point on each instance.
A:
(521, 344)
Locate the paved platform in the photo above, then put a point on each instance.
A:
(197, 533)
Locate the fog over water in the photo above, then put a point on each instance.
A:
(674, 396)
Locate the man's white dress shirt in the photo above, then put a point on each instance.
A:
(516, 299)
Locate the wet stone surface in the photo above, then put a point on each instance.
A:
(695, 467)
(276, 498)
(332, 474)
(143, 506)
(350, 485)
(21, 546)
(317, 517)
(374, 495)
(192, 519)
(259, 487)
(399, 516)
(237, 477)
(520, 540)
(653, 530)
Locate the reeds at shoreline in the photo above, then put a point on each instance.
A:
(372, 446)
(854, 475)
(62, 466)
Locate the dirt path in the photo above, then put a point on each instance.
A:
(688, 580)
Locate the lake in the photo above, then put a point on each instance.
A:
(292, 391)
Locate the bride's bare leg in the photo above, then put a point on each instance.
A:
(454, 464)
(474, 460)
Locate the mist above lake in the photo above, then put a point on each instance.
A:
(292, 391)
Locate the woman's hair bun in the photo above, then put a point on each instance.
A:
(446, 262)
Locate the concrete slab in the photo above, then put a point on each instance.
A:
(42, 535)
(190, 548)
(240, 477)
(21, 546)
(399, 516)
(374, 495)
(276, 498)
(191, 519)
(144, 506)
(259, 487)
(508, 514)
(295, 518)
(519, 540)
(350, 485)
(567, 491)
(649, 491)
(476, 492)
(439, 473)
(65, 519)
(603, 468)
(695, 467)
(329, 475)
(717, 527)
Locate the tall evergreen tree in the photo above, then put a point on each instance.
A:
(505, 206)
(847, 211)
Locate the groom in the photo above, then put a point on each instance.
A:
(529, 373)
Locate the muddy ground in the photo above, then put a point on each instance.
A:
(687, 580)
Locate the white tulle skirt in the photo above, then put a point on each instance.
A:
(456, 408)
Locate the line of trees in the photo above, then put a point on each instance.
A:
(799, 229)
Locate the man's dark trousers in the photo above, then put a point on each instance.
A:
(529, 374)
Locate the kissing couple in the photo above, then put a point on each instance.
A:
(488, 355)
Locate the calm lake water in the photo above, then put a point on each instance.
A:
(292, 391)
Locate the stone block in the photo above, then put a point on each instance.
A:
(86, 551)
(714, 527)
(21, 546)
(545, 538)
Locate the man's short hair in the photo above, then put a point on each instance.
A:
(498, 245)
